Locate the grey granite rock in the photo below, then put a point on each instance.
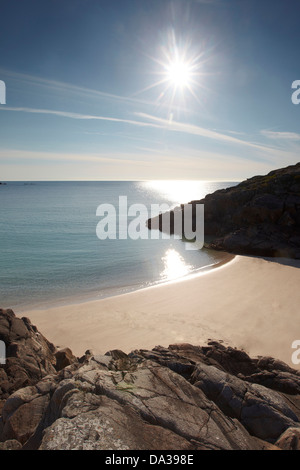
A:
(183, 397)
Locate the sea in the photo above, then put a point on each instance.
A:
(51, 254)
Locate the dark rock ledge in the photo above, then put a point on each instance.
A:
(260, 216)
(182, 397)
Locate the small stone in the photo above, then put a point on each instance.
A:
(10, 445)
(64, 358)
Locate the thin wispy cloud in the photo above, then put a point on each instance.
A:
(231, 137)
(62, 86)
(71, 115)
(293, 136)
(175, 126)
(151, 121)
(16, 154)
(65, 87)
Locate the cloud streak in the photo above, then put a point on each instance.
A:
(63, 87)
(70, 115)
(12, 154)
(145, 120)
(150, 122)
(280, 135)
(202, 132)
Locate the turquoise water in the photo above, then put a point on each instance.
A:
(50, 253)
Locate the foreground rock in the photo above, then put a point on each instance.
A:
(260, 216)
(29, 356)
(182, 397)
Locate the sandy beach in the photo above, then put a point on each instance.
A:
(249, 303)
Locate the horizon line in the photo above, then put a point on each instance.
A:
(119, 180)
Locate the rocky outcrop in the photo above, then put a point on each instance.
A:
(260, 216)
(183, 397)
(29, 356)
(121, 404)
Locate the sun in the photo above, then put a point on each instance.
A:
(180, 68)
(179, 73)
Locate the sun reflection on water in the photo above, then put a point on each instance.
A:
(174, 266)
(179, 191)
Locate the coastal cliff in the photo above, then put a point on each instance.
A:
(182, 397)
(260, 216)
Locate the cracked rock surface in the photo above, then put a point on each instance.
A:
(183, 397)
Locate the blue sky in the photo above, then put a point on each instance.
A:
(89, 95)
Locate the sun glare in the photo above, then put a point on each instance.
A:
(179, 73)
(181, 70)
(177, 192)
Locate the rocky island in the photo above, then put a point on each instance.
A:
(260, 216)
(183, 397)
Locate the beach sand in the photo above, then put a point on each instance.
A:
(249, 303)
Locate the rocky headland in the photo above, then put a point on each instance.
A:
(183, 397)
(260, 216)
